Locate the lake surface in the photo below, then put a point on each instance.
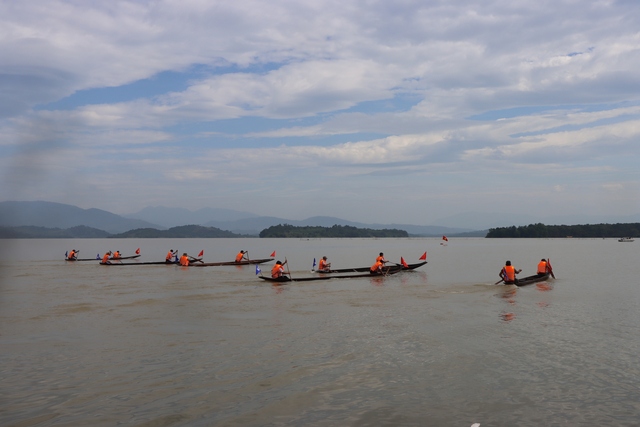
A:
(84, 344)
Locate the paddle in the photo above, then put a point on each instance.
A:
(195, 259)
(288, 271)
(502, 278)
(550, 268)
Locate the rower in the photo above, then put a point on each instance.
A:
(508, 273)
(241, 255)
(543, 267)
(105, 258)
(184, 260)
(278, 269)
(170, 255)
(323, 265)
(377, 267)
(72, 255)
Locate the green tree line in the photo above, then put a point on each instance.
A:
(286, 230)
(583, 230)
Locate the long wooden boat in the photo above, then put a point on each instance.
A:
(125, 257)
(243, 262)
(97, 258)
(115, 262)
(529, 280)
(395, 267)
(284, 279)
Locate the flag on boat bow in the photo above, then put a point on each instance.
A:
(273, 254)
(423, 257)
(258, 271)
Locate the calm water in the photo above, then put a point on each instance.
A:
(84, 344)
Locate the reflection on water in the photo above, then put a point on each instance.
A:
(85, 344)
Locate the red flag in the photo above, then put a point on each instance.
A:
(404, 263)
(201, 253)
(138, 251)
(445, 238)
(273, 254)
(423, 257)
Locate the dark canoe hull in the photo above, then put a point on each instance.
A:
(115, 262)
(125, 257)
(285, 279)
(244, 262)
(529, 280)
(391, 267)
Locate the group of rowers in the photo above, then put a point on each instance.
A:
(508, 272)
(186, 259)
(325, 267)
(73, 255)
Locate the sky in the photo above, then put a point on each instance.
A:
(374, 111)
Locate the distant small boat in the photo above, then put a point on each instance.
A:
(625, 239)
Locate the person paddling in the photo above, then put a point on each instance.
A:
(105, 258)
(184, 260)
(242, 255)
(278, 270)
(72, 255)
(324, 266)
(170, 255)
(508, 273)
(543, 267)
(377, 267)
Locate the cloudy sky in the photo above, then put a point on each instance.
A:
(374, 111)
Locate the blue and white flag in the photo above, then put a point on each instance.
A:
(258, 271)
(314, 264)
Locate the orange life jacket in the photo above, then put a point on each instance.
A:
(239, 256)
(169, 256)
(105, 258)
(277, 271)
(377, 266)
(184, 260)
(322, 264)
(115, 255)
(542, 267)
(72, 254)
(509, 273)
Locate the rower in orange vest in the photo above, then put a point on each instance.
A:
(323, 265)
(278, 269)
(72, 254)
(508, 273)
(184, 260)
(543, 268)
(241, 255)
(105, 258)
(377, 267)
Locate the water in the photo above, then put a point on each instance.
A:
(84, 344)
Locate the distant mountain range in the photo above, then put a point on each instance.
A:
(58, 215)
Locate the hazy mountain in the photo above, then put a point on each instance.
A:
(58, 215)
(172, 217)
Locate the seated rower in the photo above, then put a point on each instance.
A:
(184, 260)
(105, 258)
(278, 270)
(543, 267)
(170, 255)
(241, 255)
(508, 273)
(377, 267)
(116, 255)
(72, 255)
(324, 266)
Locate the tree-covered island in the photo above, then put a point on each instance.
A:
(585, 230)
(286, 230)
